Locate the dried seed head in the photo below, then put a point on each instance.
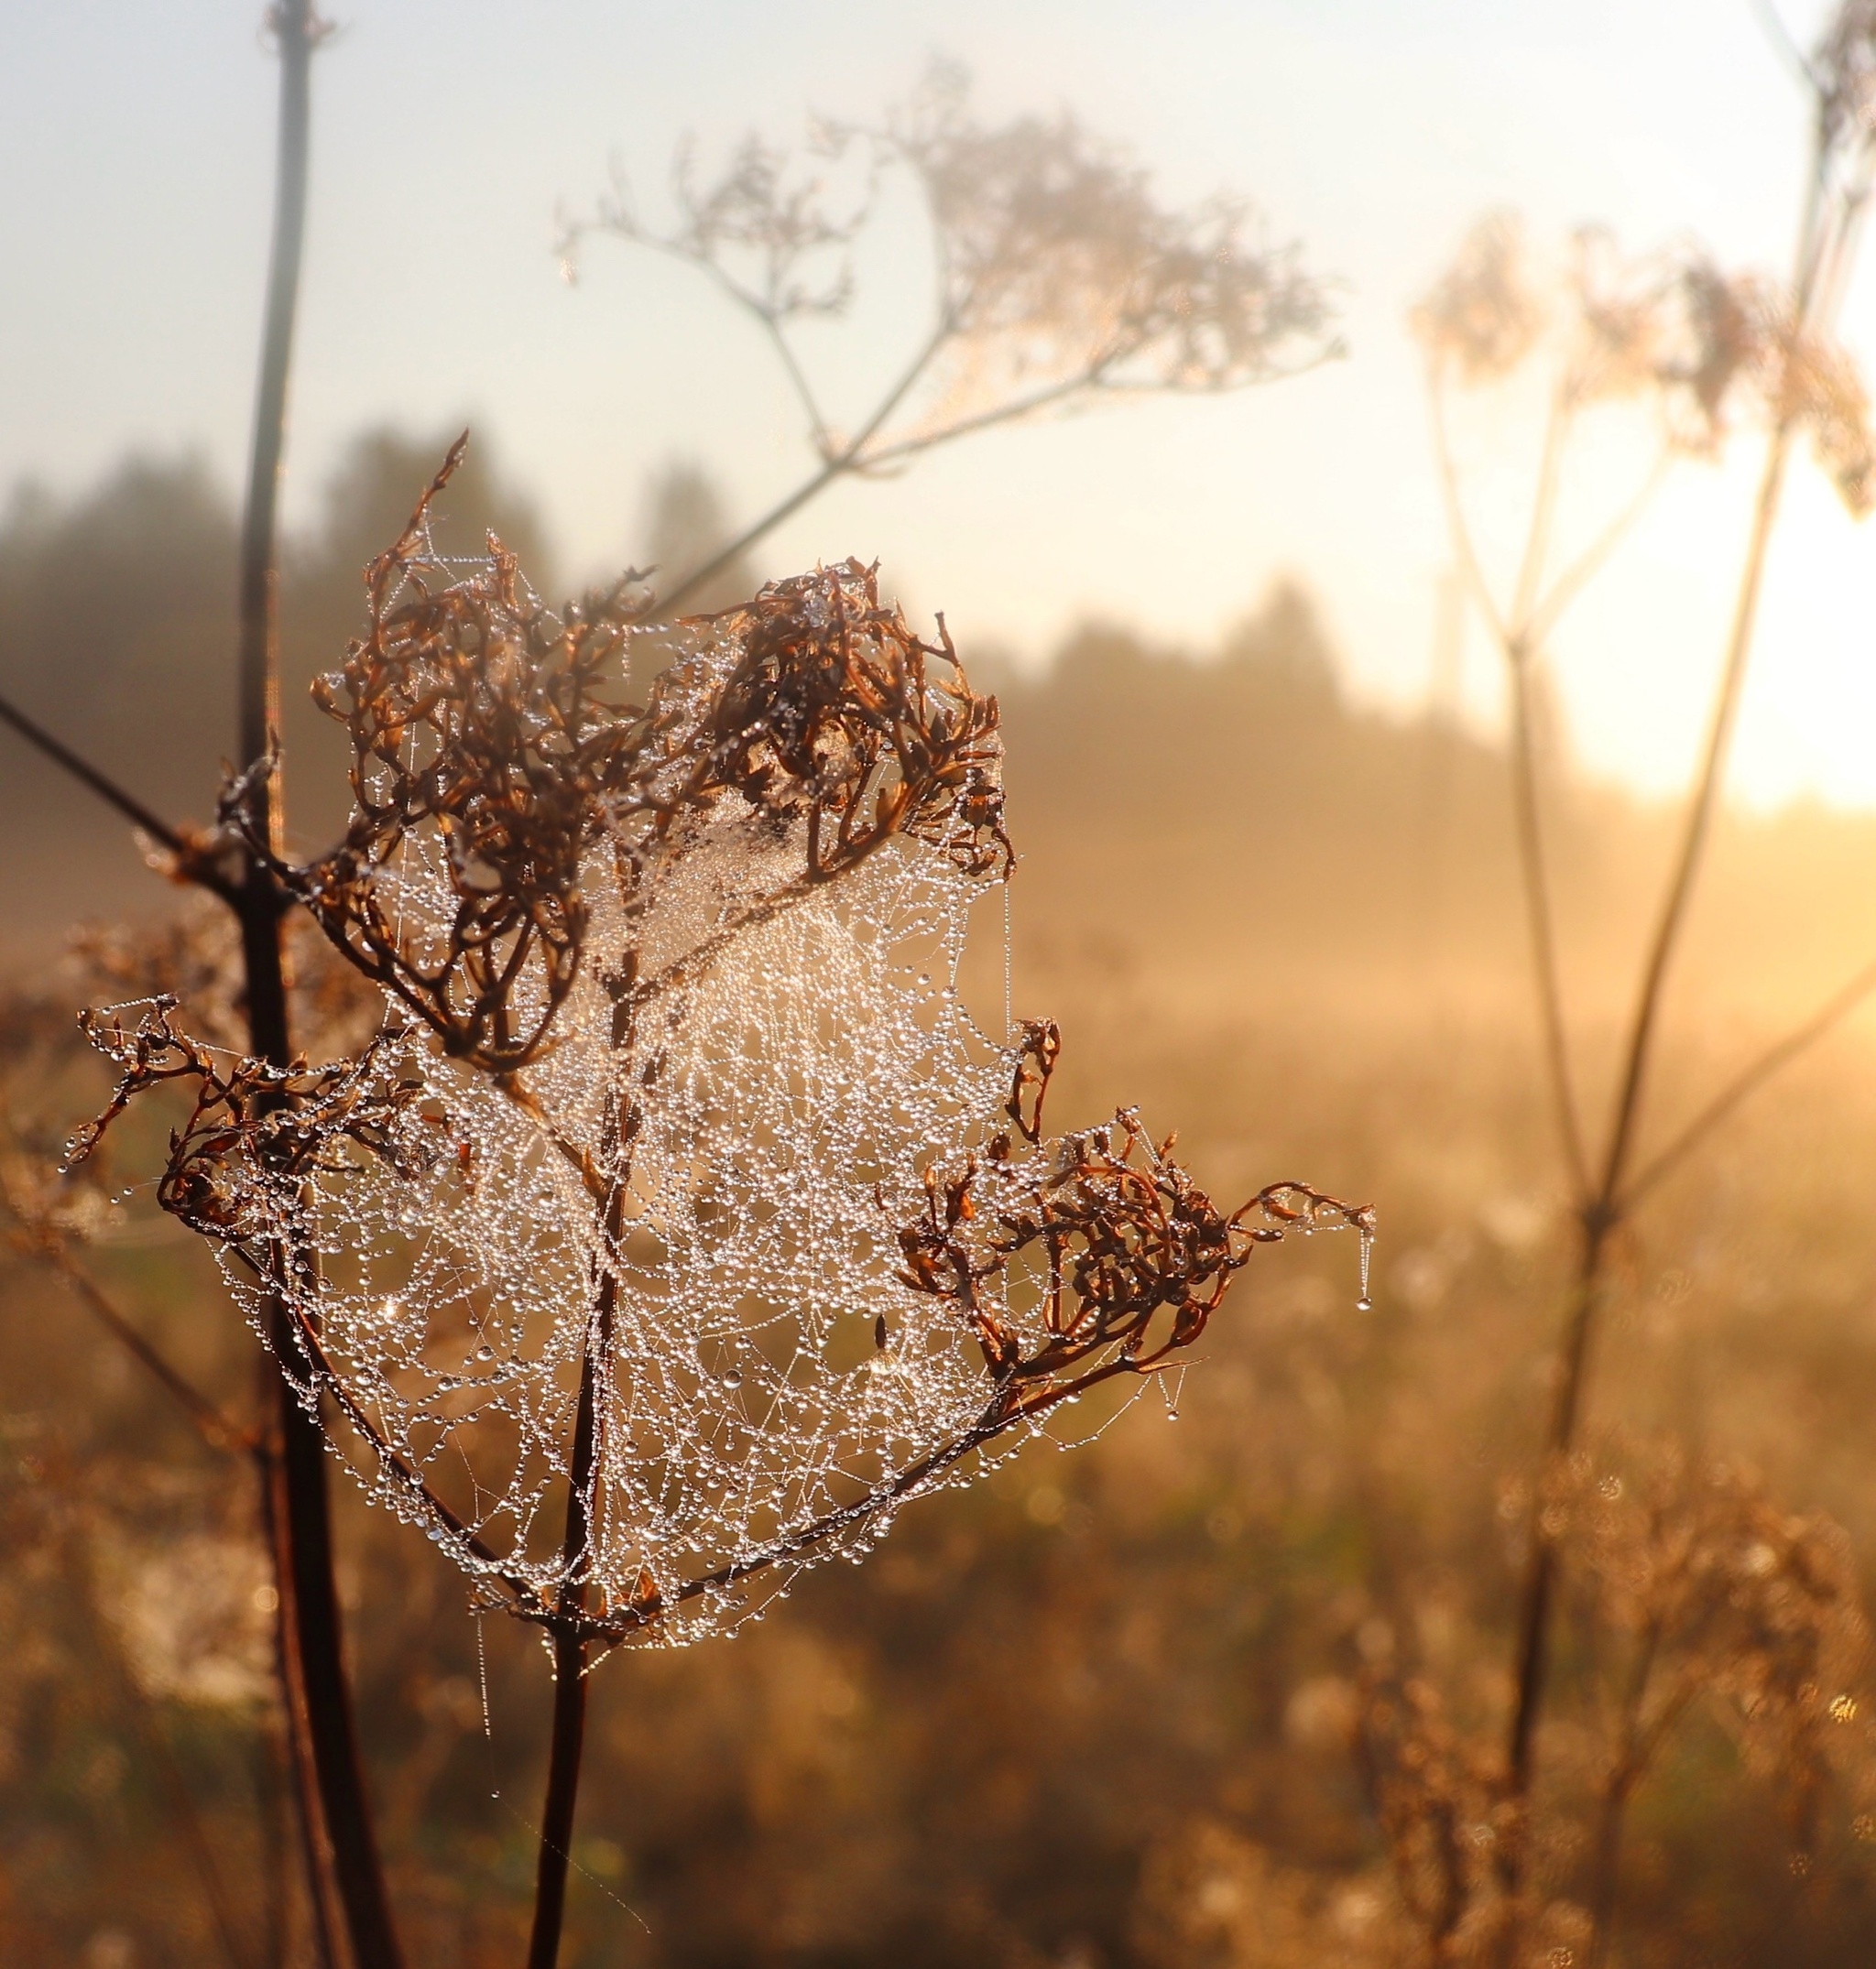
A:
(658, 1128)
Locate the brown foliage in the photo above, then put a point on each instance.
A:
(492, 729)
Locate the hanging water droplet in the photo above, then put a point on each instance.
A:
(733, 1378)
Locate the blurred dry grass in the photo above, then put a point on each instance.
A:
(1102, 1710)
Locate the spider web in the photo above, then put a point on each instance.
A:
(797, 1058)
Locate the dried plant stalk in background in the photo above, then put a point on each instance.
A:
(1059, 280)
(1702, 349)
(1692, 1596)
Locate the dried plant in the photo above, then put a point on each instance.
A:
(1704, 349)
(1211, 1898)
(1439, 1795)
(677, 1185)
(1059, 280)
(1693, 1594)
(1709, 1595)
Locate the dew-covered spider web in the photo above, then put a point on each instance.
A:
(794, 1057)
(680, 1223)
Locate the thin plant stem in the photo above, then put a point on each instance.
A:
(1571, 582)
(1605, 1870)
(101, 783)
(218, 1430)
(854, 459)
(1514, 636)
(320, 1709)
(1601, 1209)
(850, 458)
(1747, 1083)
(1698, 824)
(568, 1739)
(1541, 915)
(1531, 1661)
(1544, 506)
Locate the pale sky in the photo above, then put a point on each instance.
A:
(136, 144)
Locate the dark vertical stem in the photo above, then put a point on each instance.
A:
(569, 1736)
(1540, 1577)
(568, 1732)
(319, 1702)
(1601, 1212)
(308, 1819)
(320, 1696)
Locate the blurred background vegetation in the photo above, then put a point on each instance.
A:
(1097, 1711)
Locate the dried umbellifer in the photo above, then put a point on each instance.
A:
(680, 1222)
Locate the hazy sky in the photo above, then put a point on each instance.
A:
(136, 144)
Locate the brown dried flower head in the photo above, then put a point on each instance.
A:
(494, 738)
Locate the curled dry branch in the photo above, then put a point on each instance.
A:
(1118, 1230)
(251, 1119)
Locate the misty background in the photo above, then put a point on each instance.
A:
(453, 137)
(1095, 1712)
